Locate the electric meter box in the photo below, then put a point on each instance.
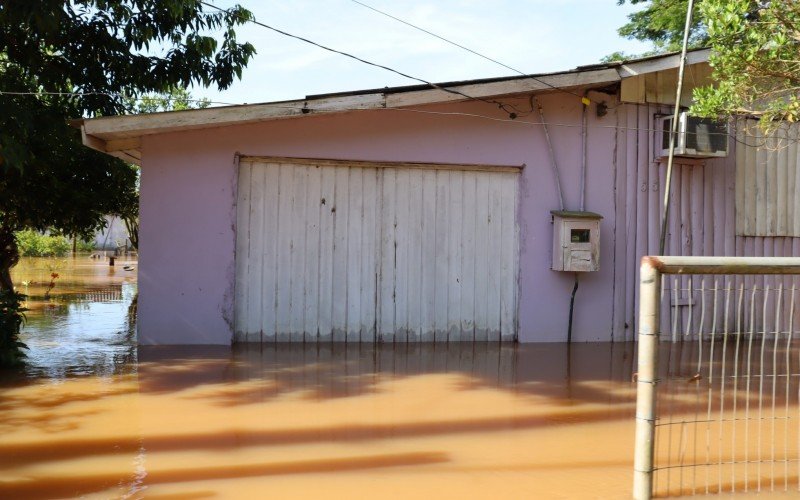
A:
(576, 241)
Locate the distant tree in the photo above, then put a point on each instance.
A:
(661, 23)
(63, 59)
(173, 99)
(756, 59)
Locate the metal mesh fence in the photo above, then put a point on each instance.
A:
(725, 382)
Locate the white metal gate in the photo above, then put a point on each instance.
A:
(362, 252)
(717, 409)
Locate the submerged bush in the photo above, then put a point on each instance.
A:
(12, 317)
(34, 244)
(85, 246)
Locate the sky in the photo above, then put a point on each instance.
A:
(532, 36)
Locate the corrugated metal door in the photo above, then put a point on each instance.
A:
(335, 251)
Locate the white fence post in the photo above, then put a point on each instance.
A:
(649, 306)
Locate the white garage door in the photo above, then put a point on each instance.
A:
(364, 252)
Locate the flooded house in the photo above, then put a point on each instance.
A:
(464, 211)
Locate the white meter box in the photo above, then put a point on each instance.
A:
(576, 241)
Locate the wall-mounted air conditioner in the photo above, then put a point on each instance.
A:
(696, 138)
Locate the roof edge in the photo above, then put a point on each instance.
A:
(121, 135)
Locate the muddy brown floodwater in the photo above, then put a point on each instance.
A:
(80, 327)
(94, 416)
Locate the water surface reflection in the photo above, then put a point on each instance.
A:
(333, 421)
(77, 322)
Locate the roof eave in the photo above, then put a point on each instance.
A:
(121, 135)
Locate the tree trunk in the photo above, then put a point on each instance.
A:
(132, 225)
(9, 256)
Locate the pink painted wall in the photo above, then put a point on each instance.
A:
(701, 218)
(188, 207)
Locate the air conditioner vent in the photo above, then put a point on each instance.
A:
(697, 137)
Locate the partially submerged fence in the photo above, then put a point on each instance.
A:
(718, 408)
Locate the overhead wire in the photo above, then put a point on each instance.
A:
(362, 60)
(307, 109)
(500, 105)
(440, 37)
(455, 44)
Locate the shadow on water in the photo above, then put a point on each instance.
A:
(191, 415)
(255, 375)
(94, 414)
(557, 371)
(263, 379)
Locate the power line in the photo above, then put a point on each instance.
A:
(438, 36)
(306, 109)
(466, 48)
(359, 59)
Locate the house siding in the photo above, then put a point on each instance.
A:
(188, 194)
(702, 216)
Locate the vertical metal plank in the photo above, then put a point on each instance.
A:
(468, 256)
(428, 256)
(482, 264)
(728, 237)
(781, 183)
(414, 255)
(340, 270)
(386, 310)
(683, 212)
(750, 173)
(761, 186)
(312, 253)
(442, 245)
(355, 222)
(673, 246)
(298, 250)
(639, 236)
(369, 254)
(508, 300)
(794, 185)
(403, 232)
(270, 235)
(696, 207)
(454, 255)
(495, 231)
(735, 172)
(256, 261)
(630, 211)
(284, 254)
(619, 331)
(327, 217)
(654, 201)
(771, 193)
(242, 250)
(741, 169)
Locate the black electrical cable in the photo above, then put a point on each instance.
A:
(559, 89)
(439, 37)
(571, 306)
(500, 105)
